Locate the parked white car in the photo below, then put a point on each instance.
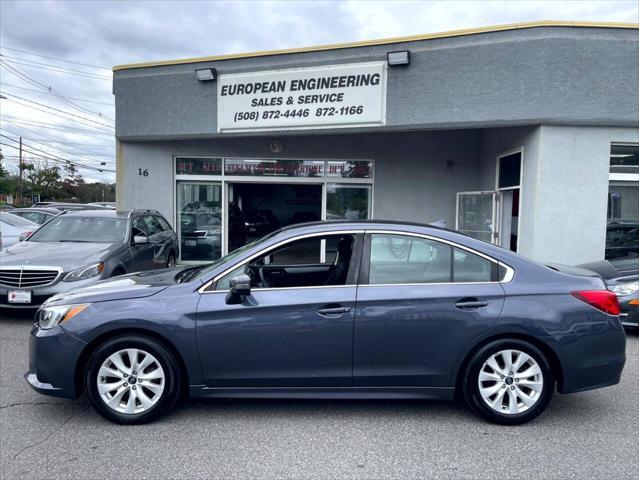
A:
(12, 226)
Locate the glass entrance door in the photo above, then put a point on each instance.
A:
(476, 212)
(199, 221)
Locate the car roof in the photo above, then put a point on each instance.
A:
(53, 211)
(385, 224)
(109, 213)
(97, 213)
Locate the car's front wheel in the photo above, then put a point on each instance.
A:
(509, 382)
(132, 379)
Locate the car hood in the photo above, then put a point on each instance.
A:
(68, 255)
(135, 285)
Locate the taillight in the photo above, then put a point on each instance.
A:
(603, 300)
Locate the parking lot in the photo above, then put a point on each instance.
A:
(592, 434)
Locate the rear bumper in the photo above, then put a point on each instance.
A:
(591, 361)
(53, 356)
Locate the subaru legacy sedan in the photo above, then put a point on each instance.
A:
(76, 249)
(335, 310)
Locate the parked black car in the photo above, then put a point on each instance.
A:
(260, 222)
(622, 240)
(622, 277)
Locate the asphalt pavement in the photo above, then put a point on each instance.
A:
(588, 435)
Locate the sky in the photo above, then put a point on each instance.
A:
(55, 69)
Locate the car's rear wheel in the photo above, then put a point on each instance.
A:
(509, 382)
(170, 261)
(132, 379)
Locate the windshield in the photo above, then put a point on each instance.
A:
(230, 256)
(15, 220)
(82, 229)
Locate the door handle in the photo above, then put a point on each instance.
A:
(470, 303)
(333, 312)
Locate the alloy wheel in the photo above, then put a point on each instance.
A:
(510, 382)
(131, 381)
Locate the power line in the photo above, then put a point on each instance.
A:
(22, 75)
(55, 58)
(49, 156)
(53, 108)
(49, 126)
(54, 68)
(50, 93)
(91, 154)
(56, 140)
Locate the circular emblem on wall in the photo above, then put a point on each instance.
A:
(277, 146)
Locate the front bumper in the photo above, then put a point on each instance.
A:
(53, 356)
(40, 294)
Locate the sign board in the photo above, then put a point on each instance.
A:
(333, 96)
(35, 198)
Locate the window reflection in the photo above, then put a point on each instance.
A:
(622, 231)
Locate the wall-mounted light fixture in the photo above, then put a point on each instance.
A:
(398, 58)
(206, 74)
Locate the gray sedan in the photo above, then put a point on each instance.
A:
(75, 249)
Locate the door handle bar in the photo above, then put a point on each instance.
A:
(333, 312)
(472, 304)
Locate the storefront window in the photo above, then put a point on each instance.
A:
(198, 166)
(199, 221)
(349, 168)
(274, 168)
(347, 202)
(622, 231)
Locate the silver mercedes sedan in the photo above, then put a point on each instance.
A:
(75, 249)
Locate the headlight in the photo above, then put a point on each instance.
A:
(84, 273)
(49, 317)
(626, 288)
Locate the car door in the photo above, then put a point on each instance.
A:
(167, 240)
(295, 336)
(420, 303)
(142, 254)
(158, 237)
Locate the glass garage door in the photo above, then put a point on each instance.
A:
(199, 220)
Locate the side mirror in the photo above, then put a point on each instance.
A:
(140, 240)
(240, 287)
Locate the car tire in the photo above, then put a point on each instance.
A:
(170, 260)
(121, 393)
(508, 396)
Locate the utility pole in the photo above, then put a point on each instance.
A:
(20, 168)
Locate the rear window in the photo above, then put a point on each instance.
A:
(15, 220)
(82, 229)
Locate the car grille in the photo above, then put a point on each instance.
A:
(27, 278)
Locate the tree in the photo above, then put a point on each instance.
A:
(72, 182)
(42, 179)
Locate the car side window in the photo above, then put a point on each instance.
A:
(401, 259)
(317, 261)
(140, 227)
(36, 217)
(163, 224)
(468, 267)
(152, 225)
